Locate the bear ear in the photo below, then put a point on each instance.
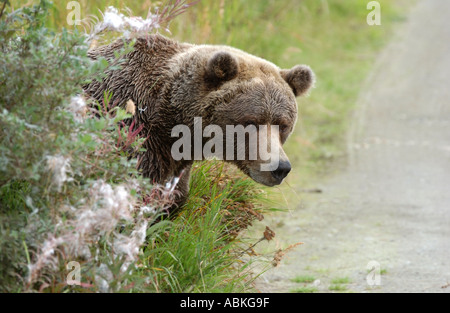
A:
(300, 78)
(221, 67)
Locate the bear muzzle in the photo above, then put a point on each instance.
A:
(282, 171)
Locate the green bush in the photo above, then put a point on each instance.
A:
(59, 169)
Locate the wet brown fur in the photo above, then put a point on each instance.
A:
(171, 83)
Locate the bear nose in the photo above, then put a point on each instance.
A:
(282, 171)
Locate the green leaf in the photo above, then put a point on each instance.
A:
(86, 138)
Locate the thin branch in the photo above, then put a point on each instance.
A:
(3, 8)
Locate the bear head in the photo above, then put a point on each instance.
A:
(239, 92)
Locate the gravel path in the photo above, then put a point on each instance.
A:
(390, 207)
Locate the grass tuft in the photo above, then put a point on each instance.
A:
(341, 280)
(303, 279)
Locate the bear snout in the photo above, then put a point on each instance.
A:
(282, 171)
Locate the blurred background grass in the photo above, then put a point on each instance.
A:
(331, 36)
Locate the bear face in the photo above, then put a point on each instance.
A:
(235, 88)
(175, 83)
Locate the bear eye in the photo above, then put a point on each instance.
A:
(283, 128)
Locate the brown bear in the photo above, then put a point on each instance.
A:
(175, 83)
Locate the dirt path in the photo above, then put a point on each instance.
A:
(391, 204)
